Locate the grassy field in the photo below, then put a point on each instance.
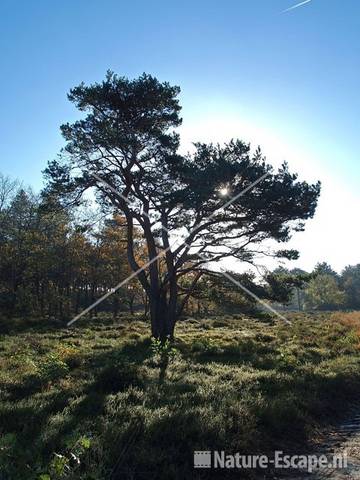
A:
(101, 401)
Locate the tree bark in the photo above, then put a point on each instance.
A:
(163, 317)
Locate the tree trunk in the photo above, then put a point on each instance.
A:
(298, 298)
(163, 317)
(115, 306)
(146, 305)
(131, 305)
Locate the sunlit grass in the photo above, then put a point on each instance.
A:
(81, 403)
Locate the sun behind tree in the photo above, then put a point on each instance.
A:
(127, 140)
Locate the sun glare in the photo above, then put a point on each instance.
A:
(224, 191)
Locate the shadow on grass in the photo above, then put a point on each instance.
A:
(244, 352)
(15, 326)
(28, 408)
(112, 372)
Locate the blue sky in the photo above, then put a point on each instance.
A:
(244, 67)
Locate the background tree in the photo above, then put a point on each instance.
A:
(350, 282)
(324, 268)
(324, 293)
(51, 266)
(214, 293)
(112, 266)
(8, 189)
(288, 287)
(127, 139)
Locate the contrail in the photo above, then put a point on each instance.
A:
(296, 6)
